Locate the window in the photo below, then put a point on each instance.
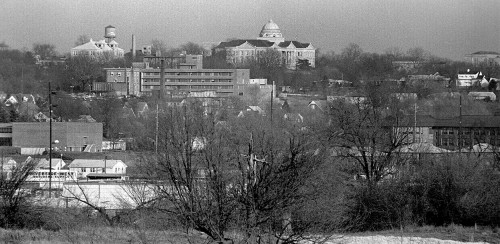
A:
(112, 73)
(119, 74)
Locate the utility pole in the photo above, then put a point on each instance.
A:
(50, 141)
(415, 123)
(272, 94)
(460, 127)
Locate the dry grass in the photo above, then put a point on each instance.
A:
(98, 235)
(137, 235)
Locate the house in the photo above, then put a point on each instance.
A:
(332, 83)
(469, 78)
(353, 98)
(16, 99)
(317, 105)
(44, 172)
(43, 163)
(8, 165)
(41, 117)
(83, 167)
(251, 110)
(294, 117)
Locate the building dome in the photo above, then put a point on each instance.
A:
(270, 29)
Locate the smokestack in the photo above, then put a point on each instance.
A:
(133, 47)
(162, 78)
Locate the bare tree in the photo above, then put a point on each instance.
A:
(82, 39)
(159, 47)
(362, 131)
(44, 50)
(275, 162)
(13, 194)
(192, 169)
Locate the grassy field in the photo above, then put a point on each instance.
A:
(98, 235)
(134, 235)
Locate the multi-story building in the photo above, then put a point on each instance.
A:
(100, 48)
(270, 38)
(483, 57)
(189, 76)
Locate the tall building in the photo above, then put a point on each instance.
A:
(270, 37)
(101, 47)
(182, 75)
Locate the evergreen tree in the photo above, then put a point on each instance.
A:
(14, 115)
(4, 114)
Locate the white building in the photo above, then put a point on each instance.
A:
(469, 78)
(270, 37)
(100, 48)
(83, 167)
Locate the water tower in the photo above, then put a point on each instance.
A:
(109, 33)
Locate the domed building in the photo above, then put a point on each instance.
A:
(271, 32)
(270, 37)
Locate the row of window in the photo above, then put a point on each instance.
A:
(189, 73)
(253, 52)
(192, 87)
(467, 132)
(189, 80)
(465, 142)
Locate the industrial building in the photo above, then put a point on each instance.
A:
(143, 78)
(33, 137)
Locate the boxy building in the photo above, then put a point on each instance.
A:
(182, 75)
(33, 137)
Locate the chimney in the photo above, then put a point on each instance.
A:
(133, 47)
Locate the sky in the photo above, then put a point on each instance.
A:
(446, 28)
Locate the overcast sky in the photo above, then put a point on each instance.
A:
(446, 28)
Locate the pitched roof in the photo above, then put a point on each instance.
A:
(94, 163)
(470, 121)
(86, 119)
(235, 43)
(485, 52)
(44, 163)
(87, 46)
